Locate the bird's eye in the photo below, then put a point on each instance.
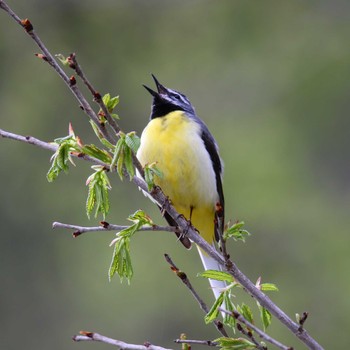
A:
(177, 97)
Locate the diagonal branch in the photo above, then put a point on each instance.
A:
(257, 330)
(184, 279)
(74, 64)
(49, 58)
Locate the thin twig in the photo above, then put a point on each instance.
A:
(239, 317)
(28, 139)
(249, 334)
(74, 64)
(91, 336)
(49, 58)
(105, 226)
(193, 341)
(47, 145)
(183, 277)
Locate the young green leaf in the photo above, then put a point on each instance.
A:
(229, 306)
(268, 287)
(97, 153)
(236, 232)
(265, 316)
(129, 166)
(151, 171)
(99, 135)
(122, 157)
(62, 59)
(141, 218)
(235, 343)
(214, 311)
(217, 275)
(133, 141)
(110, 102)
(98, 196)
(118, 153)
(121, 260)
(246, 312)
(61, 158)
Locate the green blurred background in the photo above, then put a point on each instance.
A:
(270, 78)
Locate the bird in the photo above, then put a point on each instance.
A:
(187, 155)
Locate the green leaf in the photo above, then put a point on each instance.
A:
(265, 316)
(97, 153)
(60, 160)
(121, 260)
(99, 135)
(141, 218)
(133, 141)
(229, 306)
(129, 166)
(62, 59)
(110, 102)
(122, 156)
(91, 200)
(151, 171)
(268, 287)
(62, 157)
(236, 232)
(217, 275)
(246, 312)
(214, 311)
(235, 343)
(117, 150)
(120, 163)
(98, 195)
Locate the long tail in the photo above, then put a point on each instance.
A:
(210, 264)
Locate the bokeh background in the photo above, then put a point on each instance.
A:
(270, 78)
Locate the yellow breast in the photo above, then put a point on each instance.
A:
(175, 143)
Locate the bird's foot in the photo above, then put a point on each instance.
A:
(165, 206)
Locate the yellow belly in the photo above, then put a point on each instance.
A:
(174, 142)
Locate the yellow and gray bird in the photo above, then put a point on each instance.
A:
(187, 155)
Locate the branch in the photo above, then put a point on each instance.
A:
(91, 336)
(105, 226)
(199, 342)
(49, 58)
(234, 271)
(258, 331)
(184, 279)
(73, 63)
(47, 145)
(28, 139)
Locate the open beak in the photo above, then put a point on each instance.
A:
(162, 90)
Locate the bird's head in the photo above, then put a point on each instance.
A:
(167, 100)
